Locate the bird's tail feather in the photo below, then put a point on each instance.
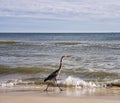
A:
(45, 79)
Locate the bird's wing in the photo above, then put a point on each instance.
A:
(52, 75)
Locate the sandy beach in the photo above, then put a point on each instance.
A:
(22, 98)
(69, 95)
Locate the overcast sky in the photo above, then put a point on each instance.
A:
(59, 15)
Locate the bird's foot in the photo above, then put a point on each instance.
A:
(61, 89)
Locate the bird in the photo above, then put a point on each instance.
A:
(53, 76)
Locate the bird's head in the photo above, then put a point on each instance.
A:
(65, 56)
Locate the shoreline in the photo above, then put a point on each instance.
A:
(67, 91)
(36, 94)
(52, 97)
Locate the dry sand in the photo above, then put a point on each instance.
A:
(51, 99)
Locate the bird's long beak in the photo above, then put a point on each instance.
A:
(68, 56)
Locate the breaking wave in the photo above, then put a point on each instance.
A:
(77, 83)
(70, 81)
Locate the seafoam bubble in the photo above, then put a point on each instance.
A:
(10, 83)
(6, 84)
(77, 83)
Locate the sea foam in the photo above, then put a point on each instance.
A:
(77, 82)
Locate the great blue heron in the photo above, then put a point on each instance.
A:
(53, 76)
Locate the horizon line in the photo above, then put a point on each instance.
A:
(57, 32)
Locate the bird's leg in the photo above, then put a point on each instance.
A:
(47, 87)
(58, 85)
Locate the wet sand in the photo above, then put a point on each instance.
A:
(53, 95)
(46, 99)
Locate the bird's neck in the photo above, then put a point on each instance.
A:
(60, 63)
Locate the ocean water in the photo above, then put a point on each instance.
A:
(29, 57)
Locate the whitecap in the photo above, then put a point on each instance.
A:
(77, 82)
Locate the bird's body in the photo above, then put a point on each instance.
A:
(52, 76)
(55, 74)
